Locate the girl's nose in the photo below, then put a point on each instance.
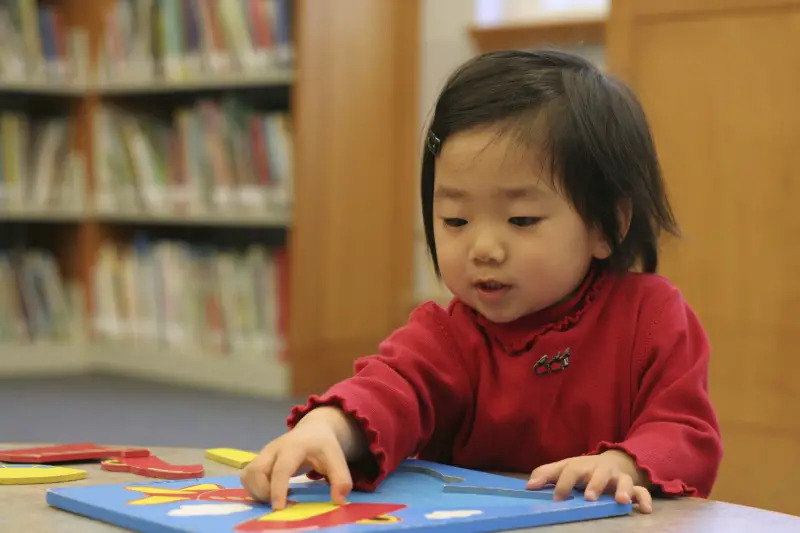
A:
(487, 248)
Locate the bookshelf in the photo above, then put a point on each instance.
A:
(42, 360)
(37, 88)
(114, 196)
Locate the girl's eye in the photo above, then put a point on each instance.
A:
(454, 222)
(524, 221)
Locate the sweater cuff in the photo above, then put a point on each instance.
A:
(368, 471)
(666, 487)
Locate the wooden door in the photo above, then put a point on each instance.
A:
(720, 81)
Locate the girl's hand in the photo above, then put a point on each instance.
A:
(322, 440)
(609, 471)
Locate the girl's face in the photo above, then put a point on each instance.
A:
(508, 244)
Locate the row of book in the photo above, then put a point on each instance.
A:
(179, 40)
(146, 41)
(172, 296)
(213, 157)
(38, 167)
(36, 305)
(36, 44)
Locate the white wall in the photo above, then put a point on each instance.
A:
(445, 44)
(500, 11)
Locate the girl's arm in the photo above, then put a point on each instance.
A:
(675, 437)
(420, 380)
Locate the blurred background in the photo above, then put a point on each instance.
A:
(208, 208)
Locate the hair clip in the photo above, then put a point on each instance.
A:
(434, 143)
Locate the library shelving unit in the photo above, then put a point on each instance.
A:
(215, 194)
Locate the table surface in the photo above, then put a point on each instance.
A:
(23, 507)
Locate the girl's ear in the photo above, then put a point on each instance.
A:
(624, 214)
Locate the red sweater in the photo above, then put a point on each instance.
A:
(622, 364)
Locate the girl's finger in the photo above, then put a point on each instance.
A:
(545, 474)
(597, 483)
(255, 476)
(643, 497)
(569, 477)
(624, 489)
(287, 463)
(337, 472)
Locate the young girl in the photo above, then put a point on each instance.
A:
(562, 353)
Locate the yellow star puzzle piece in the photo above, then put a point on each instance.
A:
(230, 456)
(33, 474)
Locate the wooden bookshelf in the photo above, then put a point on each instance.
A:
(349, 225)
(43, 215)
(45, 359)
(279, 219)
(44, 89)
(271, 77)
(271, 219)
(264, 378)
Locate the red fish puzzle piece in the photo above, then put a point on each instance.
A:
(69, 452)
(152, 466)
(344, 515)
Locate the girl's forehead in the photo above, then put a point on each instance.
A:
(491, 152)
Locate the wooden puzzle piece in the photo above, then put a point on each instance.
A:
(201, 491)
(33, 474)
(152, 466)
(231, 456)
(69, 452)
(304, 516)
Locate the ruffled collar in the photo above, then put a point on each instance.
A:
(517, 337)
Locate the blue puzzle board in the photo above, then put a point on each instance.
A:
(418, 496)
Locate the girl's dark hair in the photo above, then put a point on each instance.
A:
(594, 133)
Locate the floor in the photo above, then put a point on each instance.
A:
(113, 410)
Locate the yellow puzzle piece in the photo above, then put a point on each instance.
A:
(32, 474)
(230, 456)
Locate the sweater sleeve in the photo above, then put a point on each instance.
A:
(675, 435)
(417, 381)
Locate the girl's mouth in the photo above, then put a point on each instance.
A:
(490, 285)
(491, 290)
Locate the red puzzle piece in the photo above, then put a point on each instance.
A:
(69, 452)
(152, 466)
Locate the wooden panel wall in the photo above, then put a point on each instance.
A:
(355, 111)
(720, 82)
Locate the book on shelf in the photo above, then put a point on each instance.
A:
(36, 304)
(213, 157)
(37, 45)
(181, 40)
(193, 300)
(39, 170)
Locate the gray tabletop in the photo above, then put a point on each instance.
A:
(23, 507)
